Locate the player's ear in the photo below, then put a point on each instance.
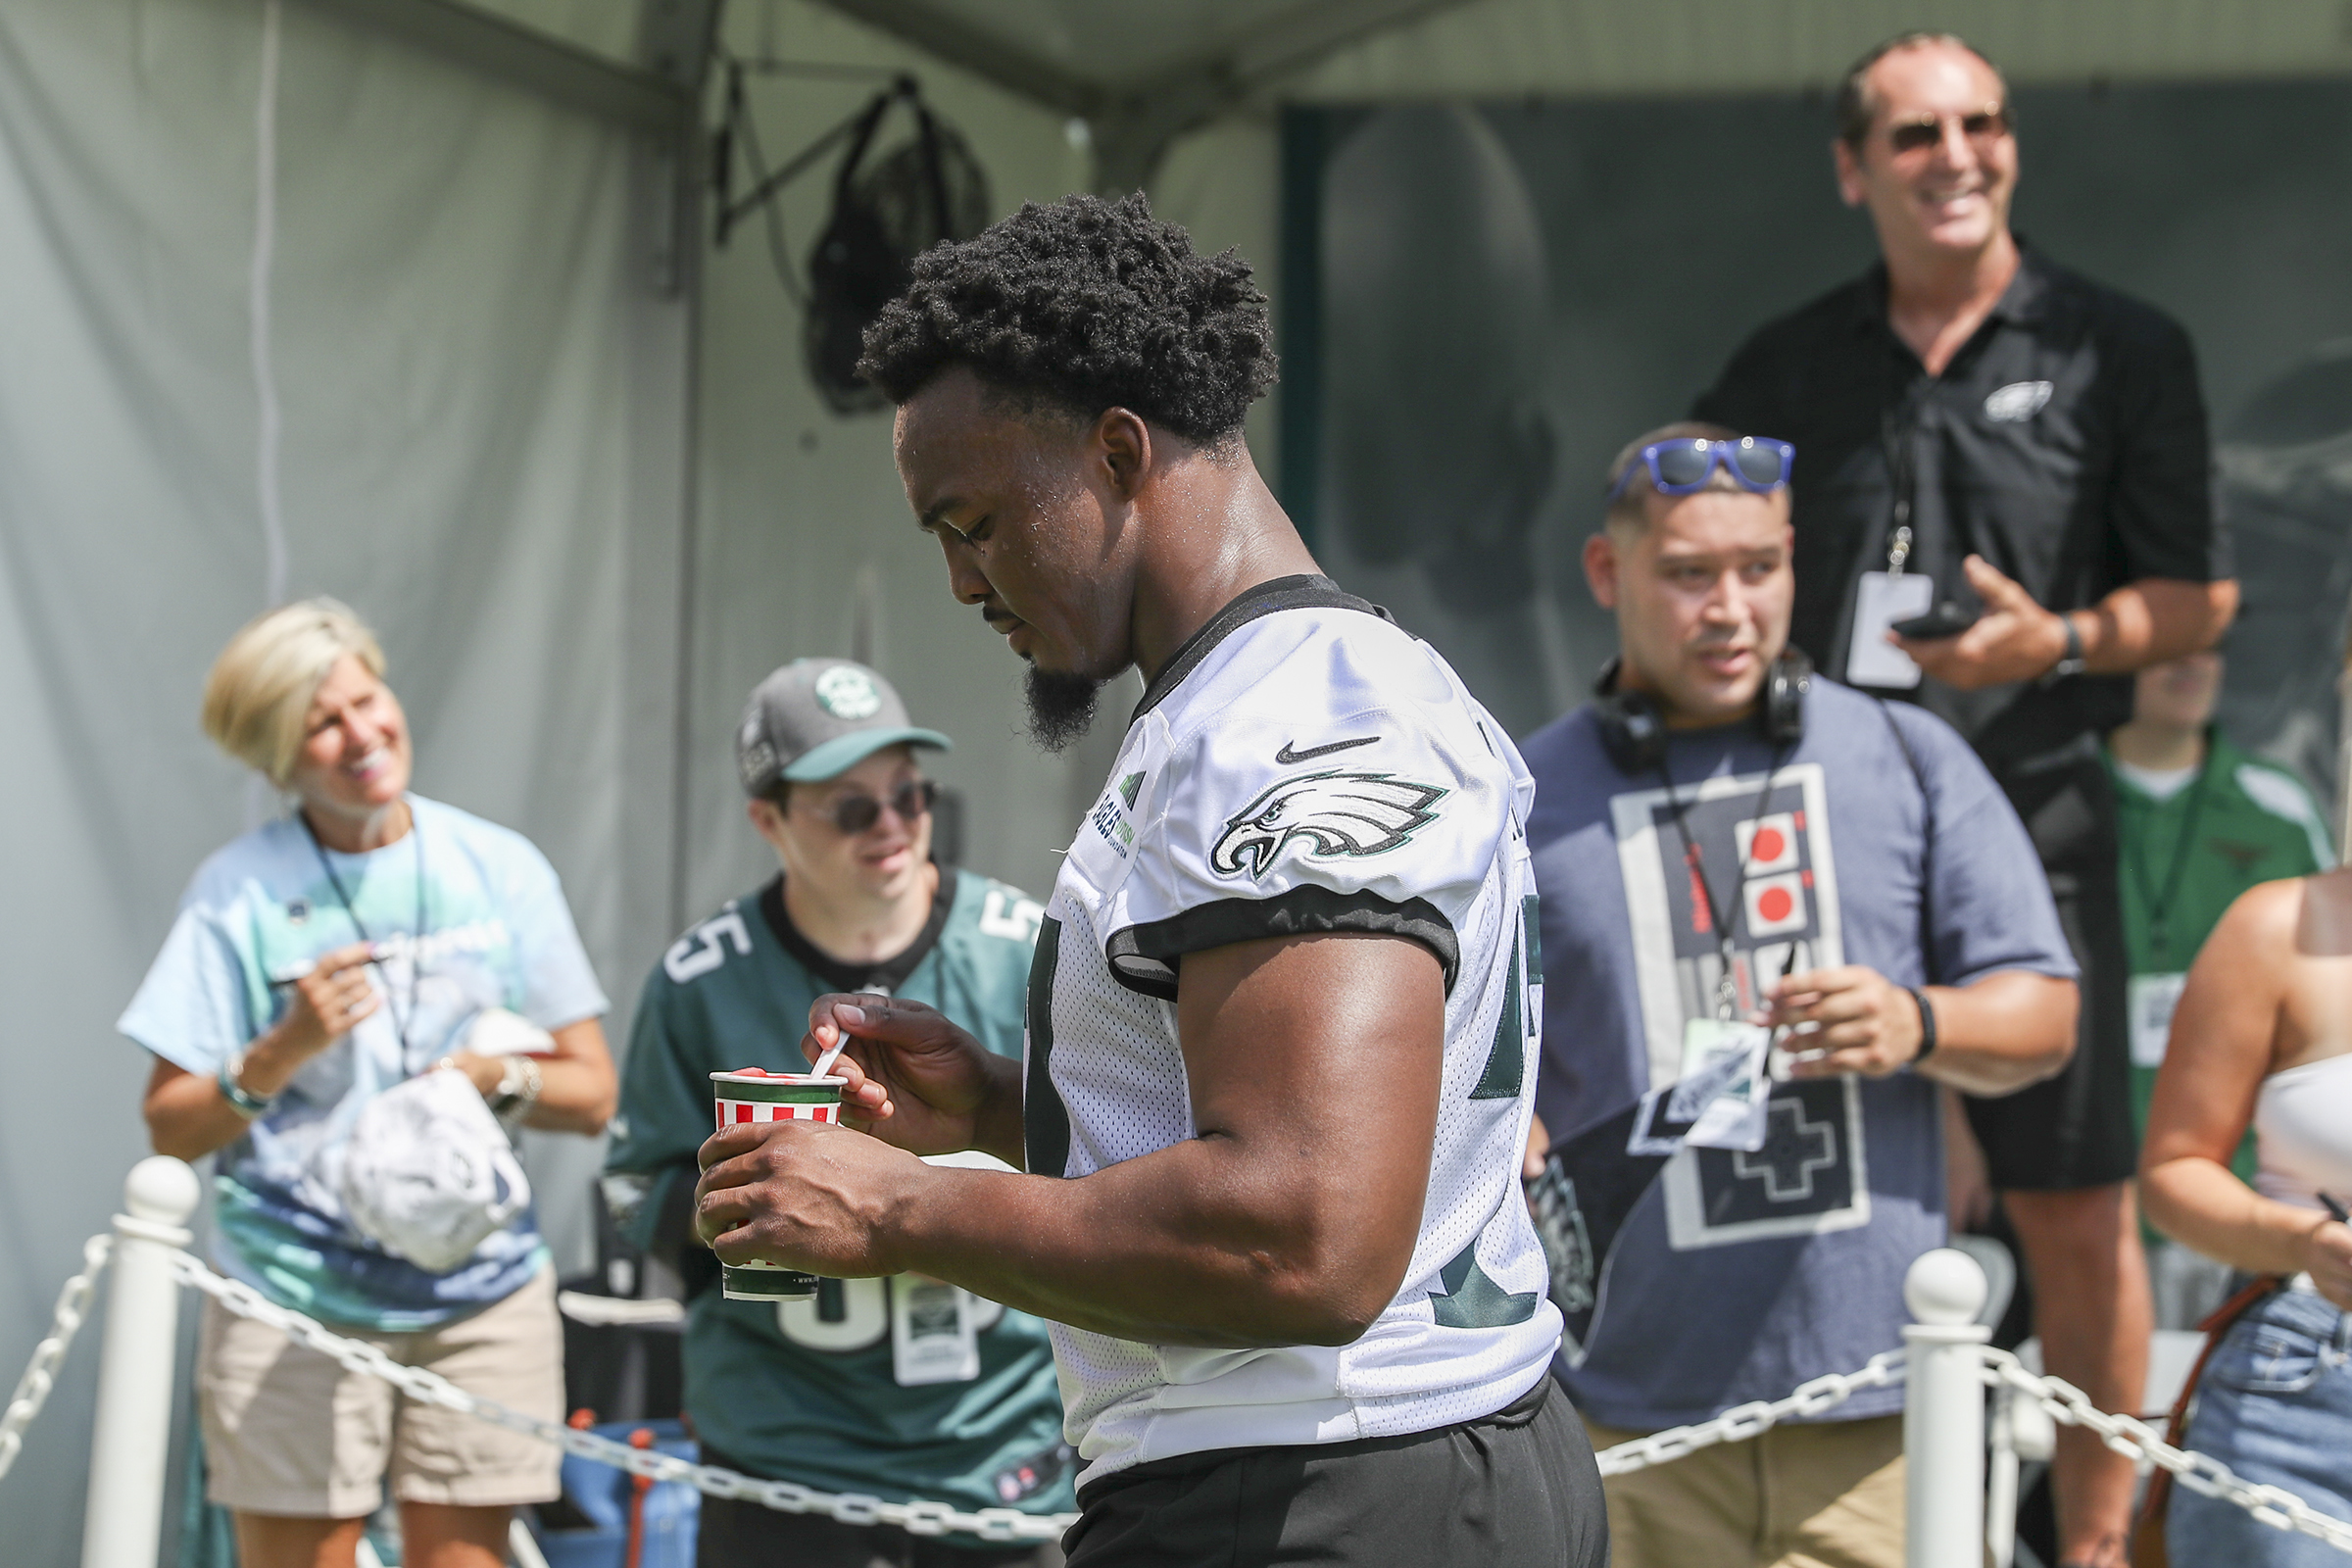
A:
(1600, 568)
(1124, 448)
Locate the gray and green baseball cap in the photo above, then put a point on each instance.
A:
(820, 717)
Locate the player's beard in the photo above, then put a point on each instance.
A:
(1062, 707)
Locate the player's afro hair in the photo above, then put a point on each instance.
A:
(1090, 305)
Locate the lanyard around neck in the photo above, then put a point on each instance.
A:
(2160, 907)
(402, 1016)
(1727, 991)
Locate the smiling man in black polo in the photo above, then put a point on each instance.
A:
(1992, 440)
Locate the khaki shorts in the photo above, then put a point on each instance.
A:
(1805, 1495)
(287, 1431)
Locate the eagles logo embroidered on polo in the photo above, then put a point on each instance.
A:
(2017, 402)
(1335, 812)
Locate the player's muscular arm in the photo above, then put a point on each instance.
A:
(1314, 1066)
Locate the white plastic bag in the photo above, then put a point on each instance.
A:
(428, 1172)
(496, 1032)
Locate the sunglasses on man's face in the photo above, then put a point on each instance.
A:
(1983, 128)
(853, 814)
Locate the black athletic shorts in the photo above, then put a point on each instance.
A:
(736, 1534)
(2075, 1130)
(1513, 1489)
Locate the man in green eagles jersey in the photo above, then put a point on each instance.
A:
(2199, 822)
(901, 1388)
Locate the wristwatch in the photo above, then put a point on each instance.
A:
(2071, 661)
(518, 1086)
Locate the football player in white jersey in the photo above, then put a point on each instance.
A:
(1282, 1015)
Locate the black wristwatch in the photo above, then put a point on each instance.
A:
(2071, 661)
(1927, 1025)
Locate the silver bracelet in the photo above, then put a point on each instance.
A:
(244, 1101)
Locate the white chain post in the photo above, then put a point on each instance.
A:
(132, 1438)
(2000, 1483)
(1944, 1412)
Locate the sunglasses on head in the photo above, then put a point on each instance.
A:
(1683, 465)
(853, 814)
(1917, 135)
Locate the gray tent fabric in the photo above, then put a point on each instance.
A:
(459, 349)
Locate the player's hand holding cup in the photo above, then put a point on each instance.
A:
(913, 1078)
(787, 1196)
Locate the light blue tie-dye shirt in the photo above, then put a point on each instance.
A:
(495, 933)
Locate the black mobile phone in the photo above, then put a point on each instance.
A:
(1945, 619)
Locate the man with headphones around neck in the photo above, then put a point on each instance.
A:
(1744, 865)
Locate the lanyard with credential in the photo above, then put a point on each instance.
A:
(2160, 908)
(401, 1017)
(1897, 427)
(1727, 991)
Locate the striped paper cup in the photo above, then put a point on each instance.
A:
(749, 1095)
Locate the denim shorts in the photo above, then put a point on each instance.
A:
(2275, 1406)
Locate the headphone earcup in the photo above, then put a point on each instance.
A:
(1782, 710)
(1629, 727)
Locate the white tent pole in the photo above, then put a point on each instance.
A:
(257, 284)
(133, 1437)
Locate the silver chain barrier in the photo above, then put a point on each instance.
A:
(2135, 1439)
(1744, 1421)
(1005, 1524)
(2200, 1473)
(2208, 1477)
(40, 1373)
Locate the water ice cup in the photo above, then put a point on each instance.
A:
(752, 1095)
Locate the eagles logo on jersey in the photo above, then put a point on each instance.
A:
(1337, 812)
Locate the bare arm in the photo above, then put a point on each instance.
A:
(2138, 624)
(1998, 1033)
(2154, 620)
(2221, 1048)
(578, 1089)
(188, 1115)
(1288, 1218)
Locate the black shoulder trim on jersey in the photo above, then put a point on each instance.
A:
(1143, 957)
(1303, 592)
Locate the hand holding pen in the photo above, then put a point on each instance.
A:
(332, 994)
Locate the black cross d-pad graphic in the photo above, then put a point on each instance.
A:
(1794, 1147)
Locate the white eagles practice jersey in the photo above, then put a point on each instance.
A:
(1302, 765)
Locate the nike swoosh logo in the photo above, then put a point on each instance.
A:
(1286, 756)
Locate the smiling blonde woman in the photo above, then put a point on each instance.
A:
(355, 943)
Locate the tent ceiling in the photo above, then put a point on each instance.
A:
(1143, 71)
(1324, 48)
(1140, 74)
(1110, 49)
